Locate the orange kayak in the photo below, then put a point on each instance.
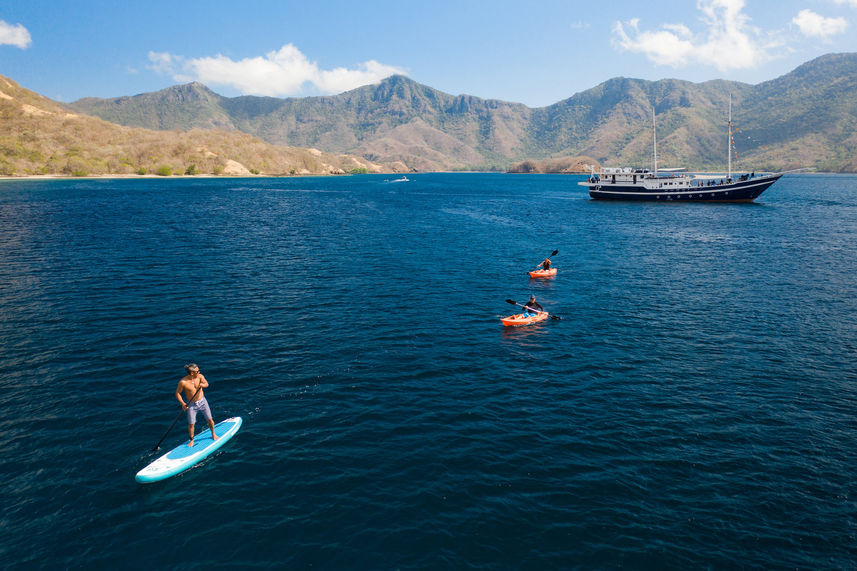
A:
(521, 319)
(543, 273)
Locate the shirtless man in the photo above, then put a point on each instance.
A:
(192, 385)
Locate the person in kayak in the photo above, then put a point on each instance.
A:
(192, 385)
(532, 307)
(546, 265)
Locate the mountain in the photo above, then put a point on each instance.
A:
(810, 113)
(803, 119)
(182, 107)
(41, 136)
(420, 126)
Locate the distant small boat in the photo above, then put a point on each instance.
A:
(645, 184)
(403, 179)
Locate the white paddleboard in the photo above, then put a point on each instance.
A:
(183, 456)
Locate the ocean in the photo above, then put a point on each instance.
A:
(693, 408)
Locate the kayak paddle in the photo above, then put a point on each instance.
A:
(513, 302)
(552, 254)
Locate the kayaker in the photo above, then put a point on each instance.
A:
(546, 265)
(192, 385)
(532, 307)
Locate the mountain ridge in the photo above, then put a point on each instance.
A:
(400, 120)
(39, 136)
(805, 118)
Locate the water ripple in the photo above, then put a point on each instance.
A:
(693, 407)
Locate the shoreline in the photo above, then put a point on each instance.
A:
(237, 176)
(156, 176)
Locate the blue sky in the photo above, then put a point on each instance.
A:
(536, 52)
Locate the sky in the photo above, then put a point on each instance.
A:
(536, 52)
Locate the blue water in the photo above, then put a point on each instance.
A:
(694, 408)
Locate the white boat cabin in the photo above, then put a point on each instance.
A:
(640, 177)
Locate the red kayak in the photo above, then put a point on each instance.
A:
(543, 273)
(522, 319)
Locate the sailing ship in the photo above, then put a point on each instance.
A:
(651, 185)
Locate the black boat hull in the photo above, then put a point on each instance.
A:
(737, 191)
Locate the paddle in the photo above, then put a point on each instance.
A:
(158, 445)
(552, 254)
(513, 302)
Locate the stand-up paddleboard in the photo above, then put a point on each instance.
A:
(183, 456)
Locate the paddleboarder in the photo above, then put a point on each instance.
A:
(192, 385)
(532, 306)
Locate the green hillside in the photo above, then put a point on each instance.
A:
(396, 120)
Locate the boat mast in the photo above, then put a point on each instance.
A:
(654, 144)
(729, 143)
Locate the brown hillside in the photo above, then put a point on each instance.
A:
(564, 165)
(42, 137)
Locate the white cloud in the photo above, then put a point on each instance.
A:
(729, 41)
(161, 63)
(670, 46)
(17, 36)
(278, 73)
(852, 3)
(816, 26)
